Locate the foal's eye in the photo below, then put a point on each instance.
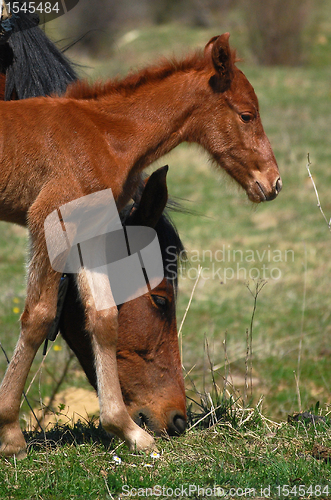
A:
(246, 117)
(159, 301)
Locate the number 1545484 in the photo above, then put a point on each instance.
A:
(34, 7)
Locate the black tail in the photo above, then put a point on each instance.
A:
(34, 66)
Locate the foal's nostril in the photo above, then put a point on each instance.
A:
(279, 185)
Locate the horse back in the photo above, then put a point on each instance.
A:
(51, 141)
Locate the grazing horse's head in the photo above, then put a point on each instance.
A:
(148, 357)
(149, 364)
(233, 131)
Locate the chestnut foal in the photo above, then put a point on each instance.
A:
(148, 360)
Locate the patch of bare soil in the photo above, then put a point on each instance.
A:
(69, 406)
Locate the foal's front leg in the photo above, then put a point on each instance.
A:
(103, 327)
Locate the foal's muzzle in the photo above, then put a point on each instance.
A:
(260, 190)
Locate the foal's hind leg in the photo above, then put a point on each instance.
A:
(38, 315)
(36, 319)
(103, 328)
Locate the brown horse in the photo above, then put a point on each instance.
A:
(56, 150)
(148, 360)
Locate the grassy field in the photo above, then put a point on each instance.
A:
(255, 459)
(286, 242)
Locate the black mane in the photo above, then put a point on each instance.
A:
(33, 65)
(172, 248)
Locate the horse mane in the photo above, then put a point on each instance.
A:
(33, 64)
(82, 89)
(170, 243)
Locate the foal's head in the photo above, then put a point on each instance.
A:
(231, 124)
(204, 99)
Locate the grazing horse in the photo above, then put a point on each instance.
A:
(148, 359)
(58, 149)
(149, 366)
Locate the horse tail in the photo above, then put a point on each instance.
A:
(34, 66)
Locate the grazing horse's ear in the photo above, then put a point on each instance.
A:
(218, 50)
(153, 199)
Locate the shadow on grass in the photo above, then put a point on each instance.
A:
(63, 434)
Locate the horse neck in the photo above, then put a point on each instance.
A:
(160, 114)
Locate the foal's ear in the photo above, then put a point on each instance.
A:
(218, 50)
(153, 199)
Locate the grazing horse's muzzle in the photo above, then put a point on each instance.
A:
(174, 424)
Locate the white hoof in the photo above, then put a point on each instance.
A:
(140, 440)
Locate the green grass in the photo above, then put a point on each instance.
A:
(296, 116)
(258, 457)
